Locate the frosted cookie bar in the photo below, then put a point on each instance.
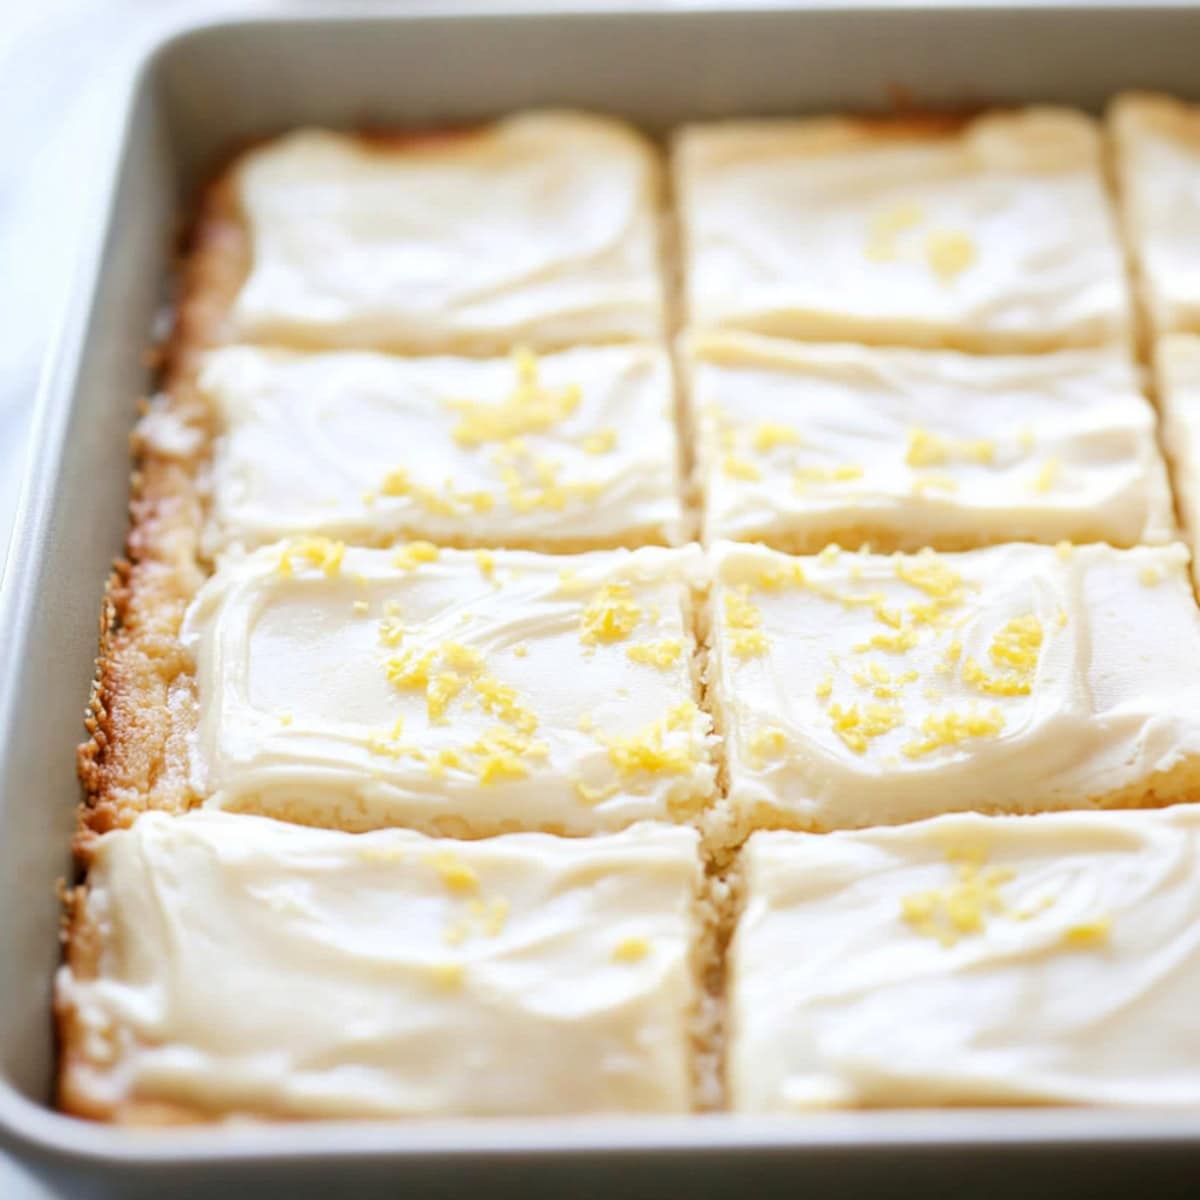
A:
(453, 692)
(803, 445)
(1157, 143)
(861, 689)
(539, 229)
(969, 960)
(571, 451)
(387, 974)
(1177, 369)
(993, 234)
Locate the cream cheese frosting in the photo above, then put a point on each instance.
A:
(994, 234)
(1052, 959)
(541, 228)
(1177, 369)
(456, 692)
(247, 966)
(574, 449)
(856, 689)
(1157, 143)
(801, 445)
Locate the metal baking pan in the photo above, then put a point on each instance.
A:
(209, 88)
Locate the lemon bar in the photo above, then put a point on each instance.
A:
(969, 960)
(571, 451)
(806, 444)
(1177, 369)
(453, 692)
(1157, 145)
(994, 234)
(326, 974)
(539, 229)
(857, 689)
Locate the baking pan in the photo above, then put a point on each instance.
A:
(206, 89)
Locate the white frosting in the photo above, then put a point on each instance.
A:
(1157, 143)
(933, 444)
(995, 236)
(1077, 987)
(248, 966)
(310, 442)
(829, 730)
(1177, 365)
(298, 708)
(541, 228)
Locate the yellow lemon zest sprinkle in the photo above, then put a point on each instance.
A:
(749, 643)
(321, 552)
(886, 225)
(739, 468)
(766, 743)
(455, 873)
(411, 554)
(594, 795)
(1016, 646)
(824, 688)
(492, 916)
(441, 689)
(611, 616)
(1088, 933)
(769, 434)
(482, 919)
(842, 473)
(501, 701)
(600, 442)
(883, 684)
(926, 572)
(949, 253)
(630, 949)
(360, 608)
(388, 743)
(741, 612)
(647, 751)
(409, 668)
(928, 449)
(742, 619)
(485, 560)
(897, 642)
(1047, 476)
(398, 482)
(962, 908)
(1149, 576)
(444, 758)
(391, 632)
(856, 726)
(529, 407)
(947, 729)
(661, 654)
(503, 753)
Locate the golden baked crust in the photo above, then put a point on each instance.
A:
(140, 711)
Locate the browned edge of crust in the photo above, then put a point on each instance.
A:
(142, 700)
